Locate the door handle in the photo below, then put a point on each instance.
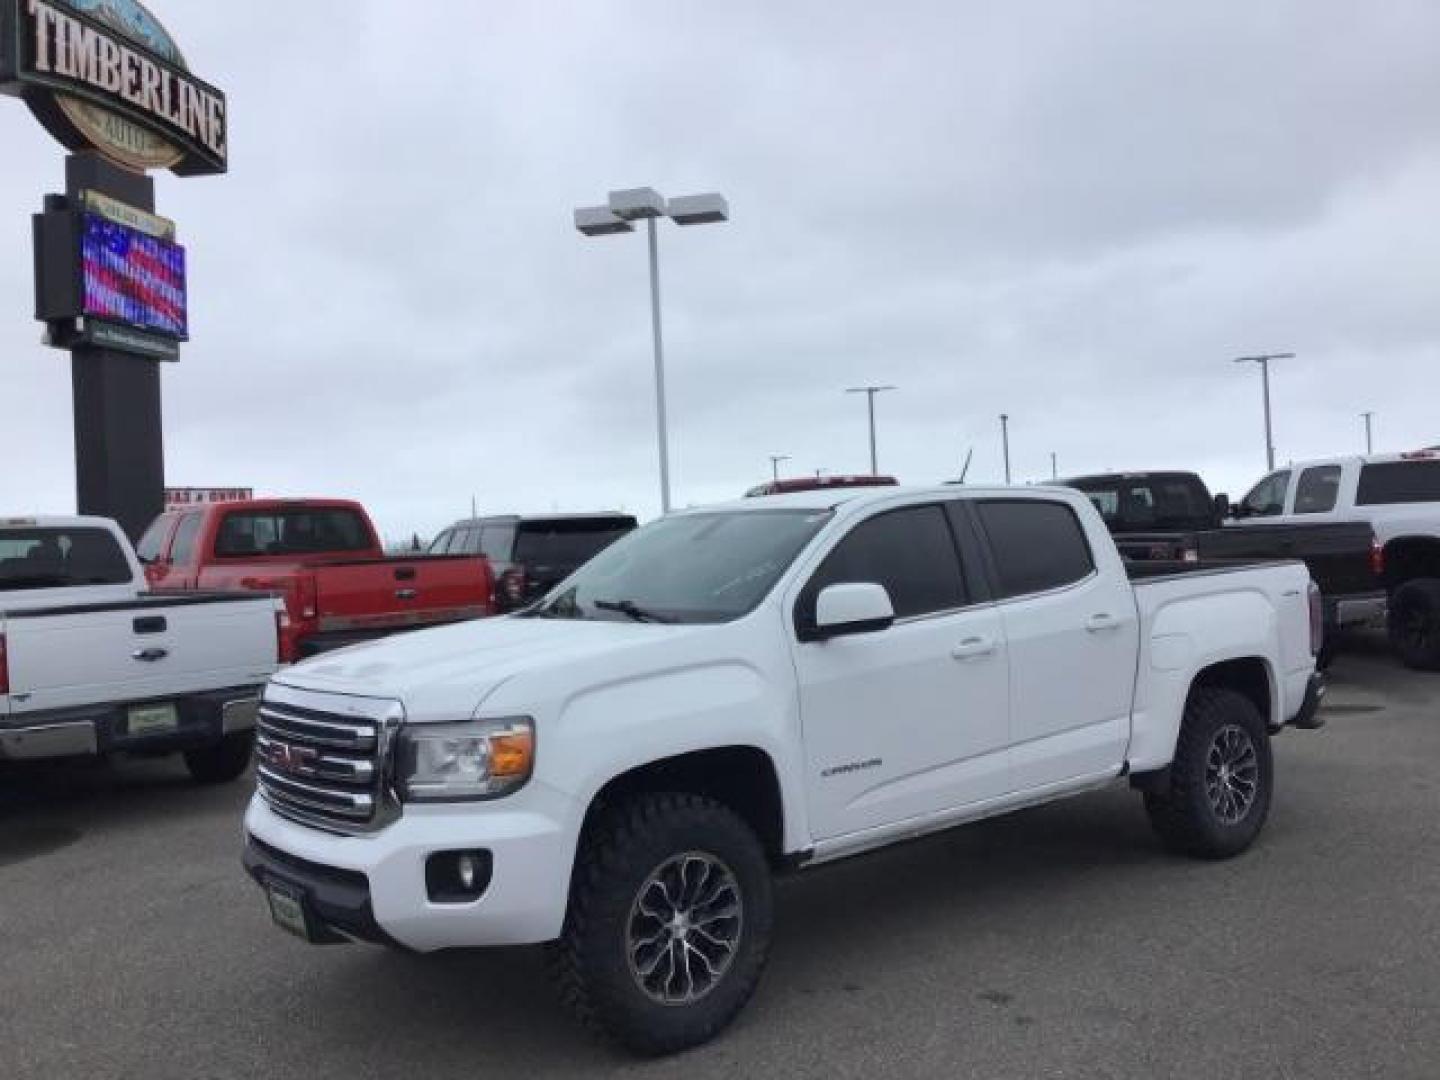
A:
(1101, 621)
(150, 655)
(972, 648)
(405, 594)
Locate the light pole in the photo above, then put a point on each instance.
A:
(616, 217)
(870, 392)
(1368, 447)
(1054, 469)
(775, 460)
(1005, 442)
(1264, 361)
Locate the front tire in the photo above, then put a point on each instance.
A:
(1221, 780)
(221, 762)
(1414, 623)
(669, 922)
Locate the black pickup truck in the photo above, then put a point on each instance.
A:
(1172, 517)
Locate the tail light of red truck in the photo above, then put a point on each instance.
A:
(1317, 619)
(512, 587)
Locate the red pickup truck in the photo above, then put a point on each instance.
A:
(324, 557)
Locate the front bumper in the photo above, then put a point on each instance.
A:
(102, 729)
(371, 887)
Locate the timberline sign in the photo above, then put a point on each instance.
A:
(105, 75)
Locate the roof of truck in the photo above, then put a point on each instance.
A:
(827, 499)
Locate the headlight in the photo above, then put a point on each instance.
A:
(477, 759)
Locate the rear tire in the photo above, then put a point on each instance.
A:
(221, 762)
(669, 923)
(1414, 623)
(1221, 780)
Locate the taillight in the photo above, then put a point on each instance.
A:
(512, 585)
(4, 668)
(1317, 620)
(308, 597)
(1189, 554)
(1377, 558)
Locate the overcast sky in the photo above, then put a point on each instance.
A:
(1075, 213)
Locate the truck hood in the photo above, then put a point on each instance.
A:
(440, 672)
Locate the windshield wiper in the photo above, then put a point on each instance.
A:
(632, 609)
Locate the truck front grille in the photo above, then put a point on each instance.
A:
(324, 767)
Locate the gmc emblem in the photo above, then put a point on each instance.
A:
(294, 759)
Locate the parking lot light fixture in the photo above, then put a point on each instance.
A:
(1264, 361)
(775, 460)
(644, 203)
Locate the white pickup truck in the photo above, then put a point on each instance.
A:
(1398, 495)
(91, 664)
(765, 685)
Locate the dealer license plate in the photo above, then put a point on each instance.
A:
(151, 719)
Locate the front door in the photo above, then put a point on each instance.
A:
(913, 719)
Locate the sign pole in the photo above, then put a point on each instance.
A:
(119, 450)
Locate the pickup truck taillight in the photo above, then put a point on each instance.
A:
(1317, 619)
(1377, 558)
(512, 586)
(4, 668)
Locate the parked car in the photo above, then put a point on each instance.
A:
(765, 685)
(530, 555)
(1398, 495)
(1171, 516)
(92, 664)
(324, 557)
(818, 483)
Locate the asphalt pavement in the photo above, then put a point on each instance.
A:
(1059, 942)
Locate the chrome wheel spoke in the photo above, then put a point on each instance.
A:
(1232, 774)
(684, 928)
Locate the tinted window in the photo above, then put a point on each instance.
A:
(1399, 482)
(541, 544)
(1035, 545)
(911, 552)
(1139, 503)
(688, 568)
(291, 532)
(1317, 489)
(496, 542)
(150, 544)
(1267, 498)
(182, 548)
(51, 558)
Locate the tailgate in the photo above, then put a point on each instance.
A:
(396, 593)
(1337, 554)
(144, 649)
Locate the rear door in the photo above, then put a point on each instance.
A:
(1069, 619)
(911, 720)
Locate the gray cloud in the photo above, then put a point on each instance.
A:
(1075, 213)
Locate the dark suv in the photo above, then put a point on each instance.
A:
(530, 555)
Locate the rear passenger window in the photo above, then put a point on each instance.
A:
(1036, 545)
(1317, 489)
(1399, 482)
(911, 552)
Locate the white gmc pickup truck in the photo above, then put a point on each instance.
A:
(753, 687)
(91, 664)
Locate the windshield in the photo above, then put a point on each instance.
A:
(691, 568)
(1144, 503)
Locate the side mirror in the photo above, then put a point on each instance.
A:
(1223, 509)
(856, 607)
